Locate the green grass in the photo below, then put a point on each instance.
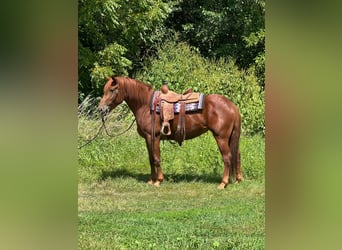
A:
(118, 210)
(124, 213)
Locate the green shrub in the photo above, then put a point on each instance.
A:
(183, 67)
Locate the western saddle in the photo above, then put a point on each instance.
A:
(166, 100)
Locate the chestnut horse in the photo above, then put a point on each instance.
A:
(219, 115)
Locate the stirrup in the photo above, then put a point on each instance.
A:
(165, 125)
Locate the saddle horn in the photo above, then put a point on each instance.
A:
(164, 88)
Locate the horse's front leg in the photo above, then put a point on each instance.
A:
(157, 176)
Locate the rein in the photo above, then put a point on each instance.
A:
(105, 128)
(116, 135)
(92, 139)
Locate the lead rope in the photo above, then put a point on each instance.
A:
(116, 135)
(105, 128)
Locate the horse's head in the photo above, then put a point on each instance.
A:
(112, 95)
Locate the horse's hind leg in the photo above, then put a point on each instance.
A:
(154, 157)
(227, 159)
(239, 173)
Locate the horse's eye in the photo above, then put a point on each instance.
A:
(113, 91)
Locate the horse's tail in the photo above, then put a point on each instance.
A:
(234, 142)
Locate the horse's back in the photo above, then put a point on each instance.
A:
(220, 105)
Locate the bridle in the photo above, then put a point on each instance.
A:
(103, 125)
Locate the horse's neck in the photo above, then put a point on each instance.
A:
(138, 101)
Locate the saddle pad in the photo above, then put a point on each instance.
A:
(189, 107)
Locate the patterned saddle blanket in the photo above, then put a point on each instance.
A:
(192, 104)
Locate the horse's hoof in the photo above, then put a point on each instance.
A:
(156, 184)
(150, 182)
(222, 185)
(239, 179)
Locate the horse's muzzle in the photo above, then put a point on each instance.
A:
(104, 110)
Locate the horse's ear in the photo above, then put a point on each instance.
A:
(108, 78)
(114, 81)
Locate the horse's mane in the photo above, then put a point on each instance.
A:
(134, 87)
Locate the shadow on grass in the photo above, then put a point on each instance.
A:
(167, 177)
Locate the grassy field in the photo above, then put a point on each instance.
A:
(118, 210)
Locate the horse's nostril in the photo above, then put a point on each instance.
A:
(103, 110)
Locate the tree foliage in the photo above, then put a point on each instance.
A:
(115, 36)
(221, 28)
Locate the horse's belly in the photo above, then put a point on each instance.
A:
(191, 130)
(194, 132)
